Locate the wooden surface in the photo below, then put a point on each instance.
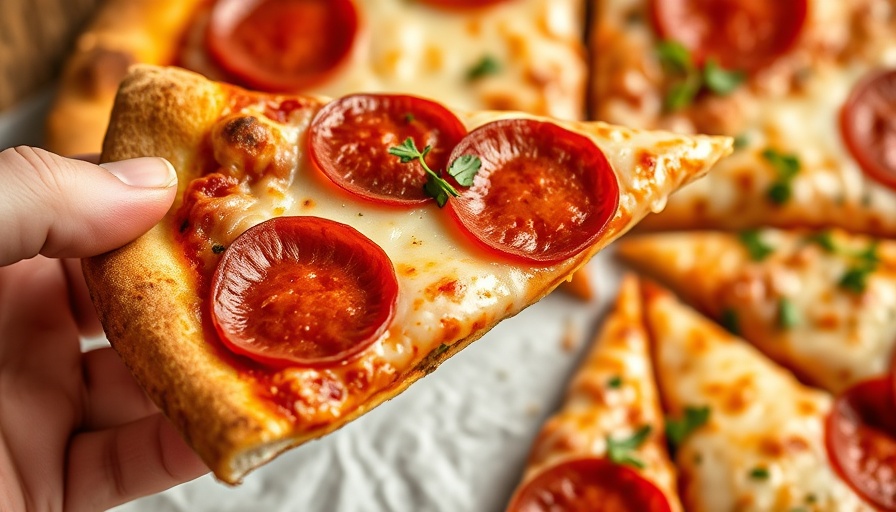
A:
(35, 36)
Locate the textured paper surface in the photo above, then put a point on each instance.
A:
(456, 441)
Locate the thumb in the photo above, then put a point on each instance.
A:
(61, 207)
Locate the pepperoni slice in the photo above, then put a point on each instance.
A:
(543, 193)
(302, 291)
(739, 34)
(589, 485)
(868, 125)
(350, 140)
(281, 45)
(861, 440)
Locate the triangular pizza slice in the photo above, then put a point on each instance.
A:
(820, 303)
(606, 444)
(749, 436)
(323, 255)
(808, 96)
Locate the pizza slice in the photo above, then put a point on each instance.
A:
(807, 95)
(606, 444)
(820, 303)
(749, 436)
(323, 255)
(493, 54)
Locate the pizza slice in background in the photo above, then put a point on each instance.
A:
(606, 445)
(820, 303)
(761, 442)
(806, 87)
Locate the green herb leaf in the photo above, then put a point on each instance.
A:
(730, 321)
(674, 56)
(855, 279)
(678, 430)
(741, 141)
(464, 169)
(682, 94)
(825, 239)
(435, 185)
(409, 118)
(869, 256)
(720, 80)
(759, 474)
(756, 248)
(407, 151)
(788, 314)
(488, 65)
(619, 451)
(615, 382)
(787, 167)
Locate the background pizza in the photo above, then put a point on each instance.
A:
(519, 388)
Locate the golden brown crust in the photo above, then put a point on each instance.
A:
(124, 32)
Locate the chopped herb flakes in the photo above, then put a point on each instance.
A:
(615, 382)
(689, 80)
(730, 321)
(678, 430)
(824, 239)
(619, 451)
(787, 167)
(855, 279)
(759, 474)
(441, 349)
(756, 248)
(788, 314)
(741, 141)
(488, 65)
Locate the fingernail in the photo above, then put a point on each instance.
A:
(147, 172)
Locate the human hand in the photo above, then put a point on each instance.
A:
(76, 431)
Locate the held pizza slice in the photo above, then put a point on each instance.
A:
(605, 448)
(494, 54)
(805, 86)
(751, 436)
(820, 303)
(307, 272)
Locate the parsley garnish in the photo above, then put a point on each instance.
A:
(825, 239)
(759, 474)
(463, 169)
(619, 451)
(730, 321)
(856, 277)
(218, 248)
(741, 141)
(752, 241)
(488, 65)
(788, 314)
(409, 118)
(615, 382)
(678, 430)
(690, 79)
(787, 166)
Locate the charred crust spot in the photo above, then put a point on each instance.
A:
(246, 132)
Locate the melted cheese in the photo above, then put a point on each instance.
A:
(763, 446)
(413, 48)
(792, 107)
(448, 288)
(840, 336)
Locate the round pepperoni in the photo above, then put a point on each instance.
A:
(349, 141)
(739, 34)
(543, 193)
(462, 4)
(861, 440)
(281, 45)
(868, 125)
(302, 291)
(589, 485)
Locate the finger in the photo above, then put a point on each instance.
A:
(109, 467)
(113, 396)
(61, 207)
(81, 304)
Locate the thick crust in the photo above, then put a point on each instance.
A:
(124, 32)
